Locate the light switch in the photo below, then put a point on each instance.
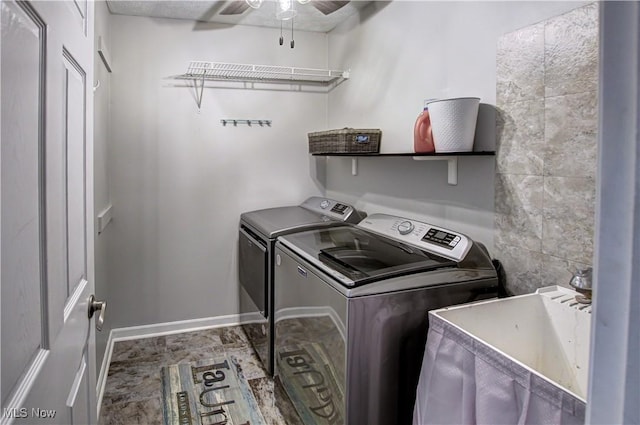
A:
(104, 218)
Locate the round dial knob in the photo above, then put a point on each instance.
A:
(405, 227)
(324, 204)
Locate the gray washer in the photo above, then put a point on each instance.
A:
(351, 353)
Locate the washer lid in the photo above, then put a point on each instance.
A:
(360, 256)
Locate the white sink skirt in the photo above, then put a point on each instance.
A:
(463, 381)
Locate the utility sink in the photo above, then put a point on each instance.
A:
(547, 332)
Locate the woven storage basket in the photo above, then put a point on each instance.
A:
(345, 140)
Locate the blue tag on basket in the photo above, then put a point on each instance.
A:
(362, 138)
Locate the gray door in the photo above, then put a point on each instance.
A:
(46, 256)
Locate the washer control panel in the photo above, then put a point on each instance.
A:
(431, 238)
(442, 238)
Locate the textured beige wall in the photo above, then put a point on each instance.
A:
(546, 149)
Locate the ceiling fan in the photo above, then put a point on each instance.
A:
(285, 9)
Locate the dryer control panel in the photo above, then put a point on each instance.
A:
(332, 209)
(444, 242)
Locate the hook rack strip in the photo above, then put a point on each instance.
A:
(235, 122)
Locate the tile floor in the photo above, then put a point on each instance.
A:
(133, 392)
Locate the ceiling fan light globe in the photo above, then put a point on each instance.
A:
(303, 1)
(285, 10)
(254, 3)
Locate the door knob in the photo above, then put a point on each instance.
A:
(95, 306)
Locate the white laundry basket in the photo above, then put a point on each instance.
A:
(453, 122)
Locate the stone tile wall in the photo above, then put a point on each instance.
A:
(547, 81)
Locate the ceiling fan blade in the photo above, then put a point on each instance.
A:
(328, 6)
(235, 7)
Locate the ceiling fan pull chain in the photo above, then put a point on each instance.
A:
(281, 37)
(293, 43)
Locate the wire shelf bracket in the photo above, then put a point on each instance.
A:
(201, 71)
(199, 91)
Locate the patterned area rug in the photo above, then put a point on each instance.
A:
(312, 383)
(208, 392)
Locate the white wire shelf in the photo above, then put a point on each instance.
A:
(200, 71)
(247, 72)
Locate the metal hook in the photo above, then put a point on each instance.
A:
(96, 86)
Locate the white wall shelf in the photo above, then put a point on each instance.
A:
(201, 71)
(450, 157)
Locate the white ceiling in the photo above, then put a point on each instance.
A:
(308, 17)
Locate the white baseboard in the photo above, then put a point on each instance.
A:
(160, 329)
(168, 328)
